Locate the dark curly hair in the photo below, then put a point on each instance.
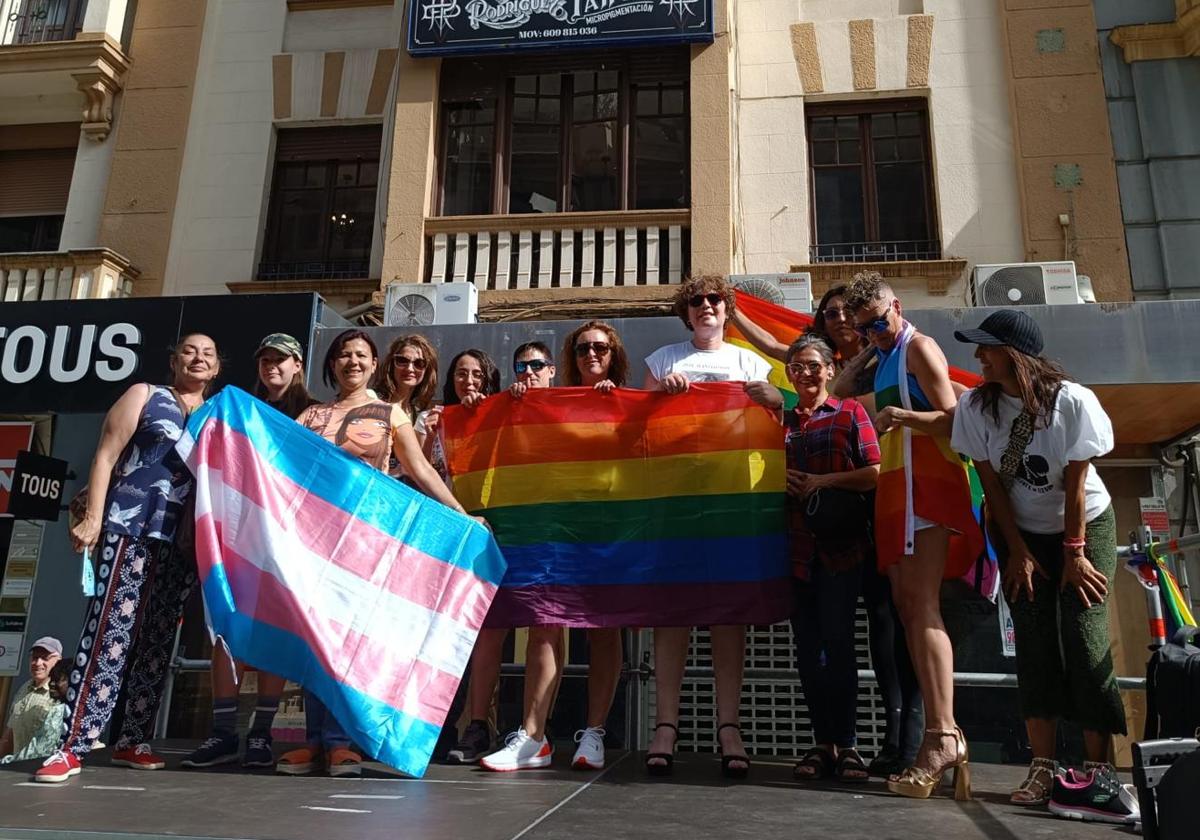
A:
(491, 376)
(702, 284)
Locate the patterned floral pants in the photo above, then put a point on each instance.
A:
(141, 587)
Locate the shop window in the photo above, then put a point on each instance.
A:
(322, 210)
(589, 133)
(871, 177)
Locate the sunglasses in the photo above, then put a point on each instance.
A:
(877, 326)
(836, 313)
(800, 368)
(535, 365)
(713, 299)
(405, 361)
(600, 348)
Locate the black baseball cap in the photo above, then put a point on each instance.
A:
(1006, 328)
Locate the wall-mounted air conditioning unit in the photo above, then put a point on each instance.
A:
(1025, 284)
(424, 304)
(791, 290)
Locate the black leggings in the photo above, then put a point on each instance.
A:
(893, 668)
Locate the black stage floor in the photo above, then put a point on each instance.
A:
(114, 803)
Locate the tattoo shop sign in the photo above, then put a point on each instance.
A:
(446, 27)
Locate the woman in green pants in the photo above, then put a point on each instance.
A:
(1032, 434)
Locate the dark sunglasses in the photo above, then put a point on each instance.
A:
(712, 297)
(600, 348)
(877, 326)
(415, 364)
(535, 365)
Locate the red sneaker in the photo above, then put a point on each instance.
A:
(58, 768)
(140, 757)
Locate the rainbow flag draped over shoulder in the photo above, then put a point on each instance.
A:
(316, 567)
(633, 508)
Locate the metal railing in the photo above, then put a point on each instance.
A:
(313, 270)
(40, 21)
(929, 249)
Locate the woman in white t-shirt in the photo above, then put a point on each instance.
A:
(1032, 434)
(703, 303)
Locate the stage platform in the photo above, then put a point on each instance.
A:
(450, 803)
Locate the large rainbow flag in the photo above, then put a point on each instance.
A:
(316, 567)
(634, 508)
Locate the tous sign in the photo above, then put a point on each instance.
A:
(107, 351)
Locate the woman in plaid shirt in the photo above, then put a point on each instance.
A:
(833, 460)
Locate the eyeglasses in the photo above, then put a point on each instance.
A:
(799, 368)
(836, 313)
(878, 325)
(469, 375)
(600, 348)
(404, 361)
(535, 365)
(695, 301)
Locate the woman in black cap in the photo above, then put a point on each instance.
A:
(1032, 434)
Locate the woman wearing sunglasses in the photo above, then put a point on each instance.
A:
(594, 357)
(925, 529)
(408, 378)
(703, 304)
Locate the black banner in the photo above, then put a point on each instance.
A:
(78, 356)
(447, 27)
(37, 487)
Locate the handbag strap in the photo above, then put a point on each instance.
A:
(1019, 437)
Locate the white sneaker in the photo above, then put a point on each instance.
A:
(590, 753)
(520, 752)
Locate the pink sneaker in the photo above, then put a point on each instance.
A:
(58, 768)
(140, 757)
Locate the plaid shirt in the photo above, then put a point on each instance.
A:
(837, 437)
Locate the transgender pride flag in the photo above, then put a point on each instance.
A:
(323, 570)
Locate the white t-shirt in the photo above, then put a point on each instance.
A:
(1079, 430)
(729, 363)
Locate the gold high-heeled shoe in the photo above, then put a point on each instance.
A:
(919, 783)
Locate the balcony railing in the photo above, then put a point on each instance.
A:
(67, 275)
(39, 21)
(560, 250)
(876, 251)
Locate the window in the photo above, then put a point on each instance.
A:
(578, 133)
(30, 233)
(871, 185)
(322, 212)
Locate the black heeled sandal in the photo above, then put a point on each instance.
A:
(668, 759)
(727, 768)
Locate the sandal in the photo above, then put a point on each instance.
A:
(1035, 790)
(727, 768)
(818, 760)
(668, 759)
(849, 766)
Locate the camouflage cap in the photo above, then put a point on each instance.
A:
(282, 342)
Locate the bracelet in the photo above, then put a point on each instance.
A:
(1074, 542)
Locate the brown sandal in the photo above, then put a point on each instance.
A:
(1035, 790)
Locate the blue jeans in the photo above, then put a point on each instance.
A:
(321, 728)
(823, 629)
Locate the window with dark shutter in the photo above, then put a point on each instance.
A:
(322, 209)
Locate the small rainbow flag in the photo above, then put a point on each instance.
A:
(633, 508)
(786, 325)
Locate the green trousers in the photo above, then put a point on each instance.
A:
(1064, 660)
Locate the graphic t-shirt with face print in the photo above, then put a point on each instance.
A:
(365, 431)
